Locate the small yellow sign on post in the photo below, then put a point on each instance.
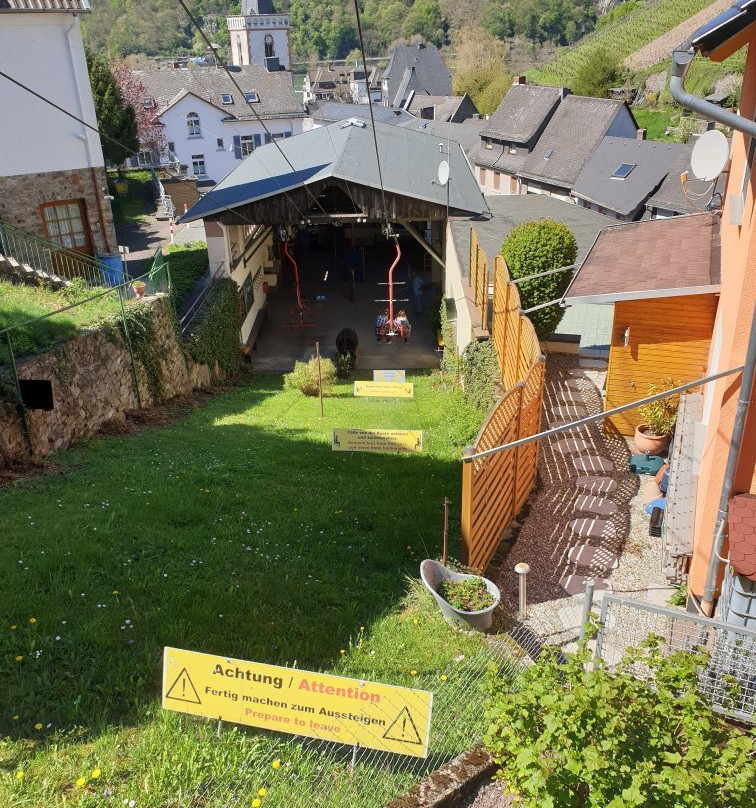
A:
(377, 440)
(386, 389)
(317, 705)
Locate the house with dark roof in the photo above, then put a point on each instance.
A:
(467, 133)
(663, 279)
(417, 69)
(322, 113)
(327, 83)
(365, 84)
(622, 174)
(209, 125)
(52, 170)
(443, 108)
(574, 132)
(510, 134)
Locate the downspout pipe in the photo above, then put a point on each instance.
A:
(738, 429)
(681, 60)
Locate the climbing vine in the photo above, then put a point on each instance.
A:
(481, 374)
(214, 335)
(451, 363)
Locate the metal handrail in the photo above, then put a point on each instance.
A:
(199, 301)
(48, 256)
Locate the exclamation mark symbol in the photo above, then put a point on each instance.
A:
(404, 725)
(183, 686)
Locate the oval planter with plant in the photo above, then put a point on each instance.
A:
(466, 601)
(139, 288)
(653, 434)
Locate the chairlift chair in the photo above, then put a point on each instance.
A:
(300, 315)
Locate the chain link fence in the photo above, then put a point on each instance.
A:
(729, 679)
(311, 772)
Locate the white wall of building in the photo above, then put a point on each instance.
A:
(45, 52)
(456, 288)
(219, 160)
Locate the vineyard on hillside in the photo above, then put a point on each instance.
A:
(622, 38)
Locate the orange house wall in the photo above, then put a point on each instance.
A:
(735, 313)
(669, 338)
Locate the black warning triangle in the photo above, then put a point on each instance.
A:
(183, 689)
(403, 729)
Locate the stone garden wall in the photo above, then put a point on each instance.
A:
(92, 383)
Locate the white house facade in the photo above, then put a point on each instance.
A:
(52, 171)
(209, 126)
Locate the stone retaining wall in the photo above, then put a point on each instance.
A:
(92, 383)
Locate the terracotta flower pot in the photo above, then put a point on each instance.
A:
(646, 442)
(139, 288)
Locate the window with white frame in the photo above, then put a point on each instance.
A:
(193, 125)
(198, 165)
(247, 144)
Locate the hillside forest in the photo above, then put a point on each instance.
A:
(328, 28)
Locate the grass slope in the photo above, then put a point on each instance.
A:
(235, 531)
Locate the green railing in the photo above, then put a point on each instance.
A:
(51, 258)
(156, 279)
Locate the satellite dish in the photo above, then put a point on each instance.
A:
(709, 155)
(443, 172)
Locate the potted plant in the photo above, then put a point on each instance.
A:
(653, 434)
(466, 601)
(139, 288)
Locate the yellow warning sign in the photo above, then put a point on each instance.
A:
(377, 440)
(386, 389)
(389, 375)
(317, 705)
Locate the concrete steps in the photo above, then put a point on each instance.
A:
(19, 272)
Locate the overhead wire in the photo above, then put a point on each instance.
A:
(127, 149)
(222, 63)
(195, 75)
(372, 119)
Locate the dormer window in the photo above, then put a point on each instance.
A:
(226, 99)
(149, 103)
(548, 154)
(252, 98)
(623, 171)
(489, 144)
(511, 149)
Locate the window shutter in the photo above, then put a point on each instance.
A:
(258, 141)
(268, 138)
(237, 147)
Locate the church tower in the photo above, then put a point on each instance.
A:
(260, 36)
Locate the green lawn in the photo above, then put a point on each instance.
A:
(234, 531)
(656, 121)
(21, 303)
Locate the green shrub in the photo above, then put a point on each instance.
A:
(578, 735)
(534, 247)
(304, 377)
(451, 362)
(214, 334)
(600, 71)
(661, 415)
(481, 373)
(187, 262)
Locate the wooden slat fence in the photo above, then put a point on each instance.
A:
(495, 488)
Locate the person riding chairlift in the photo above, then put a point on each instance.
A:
(402, 325)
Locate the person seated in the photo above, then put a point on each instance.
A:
(402, 325)
(381, 323)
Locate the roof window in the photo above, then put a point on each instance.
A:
(149, 103)
(622, 172)
(252, 98)
(227, 98)
(548, 154)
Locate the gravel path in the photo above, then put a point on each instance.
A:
(546, 536)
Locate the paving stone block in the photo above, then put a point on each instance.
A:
(590, 528)
(596, 485)
(598, 505)
(593, 463)
(588, 555)
(568, 446)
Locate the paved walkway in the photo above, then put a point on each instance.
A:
(585, 518)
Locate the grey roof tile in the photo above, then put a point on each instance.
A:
(332, 111)
(466, 133)
(409, 165)
(431, 74)
(276, 92)
(572, 134)
(672, 196)
(652, 160)
(522, 112)
(45, 5)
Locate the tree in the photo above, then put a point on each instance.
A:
(134, 93)
(577, 735)
(535, 247)
(480, 69)
(116, 119)
(600, 71)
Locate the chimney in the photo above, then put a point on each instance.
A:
(520, 80)
(641, 134)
